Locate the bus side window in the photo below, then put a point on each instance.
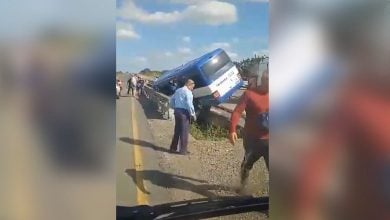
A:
(181, 82)
(199, 81)
(172, 85)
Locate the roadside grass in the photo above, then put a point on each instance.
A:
(208, 132)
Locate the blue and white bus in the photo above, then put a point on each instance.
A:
(216, 78)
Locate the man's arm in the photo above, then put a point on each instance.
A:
(319, 162)
(236, 115)
(190, 104)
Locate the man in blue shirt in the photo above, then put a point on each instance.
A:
(182, 103)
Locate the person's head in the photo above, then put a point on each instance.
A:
(360, 40)
(252, 83)
(263, 81)
(258, 76)
(190, 84)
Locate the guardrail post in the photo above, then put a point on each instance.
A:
(167, 109)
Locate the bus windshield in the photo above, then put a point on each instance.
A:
(215, 64)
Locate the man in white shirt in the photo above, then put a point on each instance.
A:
(131, 83)
(182, 103)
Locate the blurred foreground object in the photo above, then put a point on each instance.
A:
(57, 110)
(330, 101)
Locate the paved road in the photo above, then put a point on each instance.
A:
(135, 155)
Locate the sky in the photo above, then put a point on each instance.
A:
(163, 34)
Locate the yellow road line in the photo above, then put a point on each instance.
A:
(142, 198)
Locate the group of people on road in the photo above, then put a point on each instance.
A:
(135, 84)
(255, 102)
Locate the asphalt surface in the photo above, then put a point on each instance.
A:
(135, 157)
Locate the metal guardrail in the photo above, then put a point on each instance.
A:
(160, 100)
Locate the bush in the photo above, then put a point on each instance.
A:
(208, 132)
(246, 63)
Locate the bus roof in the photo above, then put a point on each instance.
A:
(180, 70)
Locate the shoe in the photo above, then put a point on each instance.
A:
(239, 189)
(184, 152)
(242, 190)
(173, 151)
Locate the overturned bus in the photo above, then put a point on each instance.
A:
(216, 78)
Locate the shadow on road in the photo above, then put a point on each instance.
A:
(143, 144)
(167, 180)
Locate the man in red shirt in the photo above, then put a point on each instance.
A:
(255, 102)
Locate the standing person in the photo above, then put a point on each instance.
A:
(132, 82)
(129, 85)
(182, 103)
(139, 86)
(255, 102)
(118, 89)
(119, 83)
(173, 86)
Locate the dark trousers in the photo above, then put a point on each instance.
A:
(141, 91)
(254, 150)
(182, 124)
(132, 90)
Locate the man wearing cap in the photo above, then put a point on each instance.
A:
(255, 102)
(182, 103)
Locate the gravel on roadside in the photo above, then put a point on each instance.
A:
(211, 169)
